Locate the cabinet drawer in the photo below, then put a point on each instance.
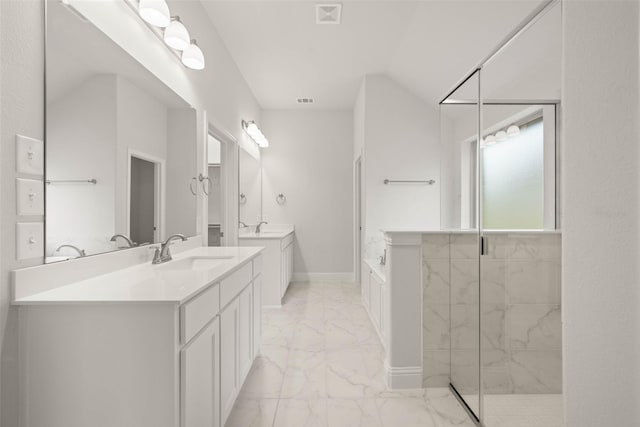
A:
(257, 265)
(198, 312)
(234, 284)
(286, 241)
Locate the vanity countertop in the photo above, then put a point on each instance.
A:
(266, 234)
(147, 283)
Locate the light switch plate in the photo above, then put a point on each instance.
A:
(29, 155)
(30, 195)
(29, 240)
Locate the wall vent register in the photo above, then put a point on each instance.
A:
(328, 13)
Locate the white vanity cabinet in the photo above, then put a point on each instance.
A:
(141, 363)
(376, 298)
(199, 378)
(277, 262)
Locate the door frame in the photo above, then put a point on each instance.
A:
(159, 186)
(357, 226)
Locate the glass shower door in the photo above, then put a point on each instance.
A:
(459, 120)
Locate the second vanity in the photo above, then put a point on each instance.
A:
(278, 242)
(148, 345)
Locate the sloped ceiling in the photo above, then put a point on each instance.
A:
(426, 46)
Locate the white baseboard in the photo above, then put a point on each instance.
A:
(323, 277)
(403, 378)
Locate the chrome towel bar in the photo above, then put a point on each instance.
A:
(409, 181)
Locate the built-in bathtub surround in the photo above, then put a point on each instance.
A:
(520, 309)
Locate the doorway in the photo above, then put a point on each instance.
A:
(358, 220)
(144, 199)
(214, 191)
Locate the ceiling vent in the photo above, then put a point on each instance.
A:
(328, 13)
(305, 101)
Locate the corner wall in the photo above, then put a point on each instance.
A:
(309, 161)
(601, 282)
(400, 142)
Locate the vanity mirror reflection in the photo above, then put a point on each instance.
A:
(250, 179)
(120, 146)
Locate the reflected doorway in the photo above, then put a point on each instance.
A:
(144, 199)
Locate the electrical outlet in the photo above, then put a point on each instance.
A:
(30, 195)
(29, 240)
(29, 155)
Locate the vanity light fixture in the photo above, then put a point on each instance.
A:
(501, 136)
(155, 12)
(255, 133)
(193, 57)
(488, 140)
(512, 131)
(176, 35)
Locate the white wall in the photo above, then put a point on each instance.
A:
(21, 112)
(601, 283)
(401, 142)
(309, 160)
(82, 125)
(138, 116)
(220, 90)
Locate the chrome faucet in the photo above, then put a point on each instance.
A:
(260, 225)
(162, 253)
(130, 242)
(81, 252)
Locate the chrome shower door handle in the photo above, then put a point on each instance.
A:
(194, 190)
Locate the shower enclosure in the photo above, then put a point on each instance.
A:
(499, 197)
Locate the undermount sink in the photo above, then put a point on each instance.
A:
(194, 263)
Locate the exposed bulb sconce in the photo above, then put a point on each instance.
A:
(512, 131)
(176, 35)
(193, 57)
(252, 129)
(155, 12)
(489, 140)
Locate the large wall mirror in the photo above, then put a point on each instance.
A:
(120, 146)
(250, 179)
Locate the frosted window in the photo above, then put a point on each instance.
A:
(513, 180)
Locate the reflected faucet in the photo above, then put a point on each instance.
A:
(162, 253)
(242, 224)
(130, 243)
(81, 252)
(260, 225)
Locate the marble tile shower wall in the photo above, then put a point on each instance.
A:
(521, 333)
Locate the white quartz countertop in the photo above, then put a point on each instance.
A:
(266, 234)
(147, 283)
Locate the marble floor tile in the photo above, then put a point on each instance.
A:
(353, 413)
(301, 413)
(321, 364)
(253, 413)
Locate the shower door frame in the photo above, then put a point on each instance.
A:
(529, 21)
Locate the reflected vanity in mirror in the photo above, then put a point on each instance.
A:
(250, 179)
(120, 146)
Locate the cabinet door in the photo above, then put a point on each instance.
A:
(375, 299)
(245, 325)
(365, 287)
(290, 256)
(257, 315)
(229, 357)
(200, 379)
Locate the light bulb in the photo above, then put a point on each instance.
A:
(193, 57)
(176, 35)
(489, 140)
(155, 12)
(513, 130)
(501, 136)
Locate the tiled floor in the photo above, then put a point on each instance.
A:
(523, 410)
(321, 365)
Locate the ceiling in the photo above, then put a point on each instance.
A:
(426, 46)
